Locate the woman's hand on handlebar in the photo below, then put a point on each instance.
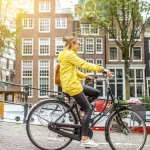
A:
(108, 72)
(89, 78)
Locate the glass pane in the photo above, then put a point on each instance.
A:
(118, 73)
(120, 91)
(139, 73)
(131, 73)
(132, 91)
(101, 90)
(139, 90)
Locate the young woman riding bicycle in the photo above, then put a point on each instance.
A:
(71, 82)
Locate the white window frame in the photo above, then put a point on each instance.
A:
(30, 43)
(90, 60)
(138, 28)
(88, 27)
(81, 49)
(99, 52)
(61, 22)
(92, 51)
(149, 45)
(27, 77)
(47, 30)
(47, 43)
(109, 53)
(40, 77)
(133, 53)
(28, 23)
(61, 44)
(46, 6)
(99, 64)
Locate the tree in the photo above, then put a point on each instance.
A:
(124, 16)
(8, 20)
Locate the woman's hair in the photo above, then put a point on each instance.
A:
(69, 41)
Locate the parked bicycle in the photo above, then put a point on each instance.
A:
(52, 124)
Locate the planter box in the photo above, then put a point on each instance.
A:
(141, 109)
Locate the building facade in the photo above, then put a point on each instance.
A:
(41, 42)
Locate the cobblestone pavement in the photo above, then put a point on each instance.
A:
(14, 137)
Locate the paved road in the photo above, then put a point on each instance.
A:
(14, 137)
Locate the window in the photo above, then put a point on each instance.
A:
(98, 45)
(44, 25)
(27, 73)
(59, 45)
(44, 6)
(88, 29)
(27, 46)
(81, 49)
(44, 72)
(137, 53)
(113, 32)
(28, 23)
(113, 55)
(44, 46)
(99, 62)
(137, 33)
(90, 45)
(90, 61)
(126, 13)
(149, 45)
(61, 22)
(136, 82)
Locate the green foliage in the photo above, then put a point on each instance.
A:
(121, 19)
(8, 19)
(146, 101)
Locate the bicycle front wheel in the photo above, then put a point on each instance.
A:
(37, 124)
(127, 130)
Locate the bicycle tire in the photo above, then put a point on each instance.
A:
(38, 132)
(131, 135)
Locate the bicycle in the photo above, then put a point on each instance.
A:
(124, 126)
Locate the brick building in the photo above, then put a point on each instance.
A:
(41, 41)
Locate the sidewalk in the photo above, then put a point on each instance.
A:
(14, 137)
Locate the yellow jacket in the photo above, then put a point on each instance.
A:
(70, 77)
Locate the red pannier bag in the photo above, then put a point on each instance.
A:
(100, 104)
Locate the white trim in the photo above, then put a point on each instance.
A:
(91, 52)
(133, 54)
(44, 76)
(44, 2)
(28, 23)
(30, 77)
(65, 19)
(32, 47)
(39, 46)
(101, 46)
(109, 53)
(81, 52)
(48, 19)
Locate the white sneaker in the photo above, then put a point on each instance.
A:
(88, 143)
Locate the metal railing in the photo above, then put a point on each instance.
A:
(26, 87)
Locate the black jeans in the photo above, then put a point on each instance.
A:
(82, 100)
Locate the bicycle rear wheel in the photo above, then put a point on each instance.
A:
(37, 124)
(130, 134)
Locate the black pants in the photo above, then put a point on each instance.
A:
(83, 101)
